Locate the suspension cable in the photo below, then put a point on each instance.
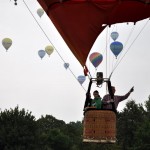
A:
(50, 41)
(106, 50)
(124, 47)
(106, 53)
(129, 48)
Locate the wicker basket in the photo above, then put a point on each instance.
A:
(99, 126)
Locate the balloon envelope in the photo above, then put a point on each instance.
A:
(41, 53)
(80, 37)
(40, 12)
(114, 35)
(96, 58)
(116, 47)
(66, 65)
(6, 42)
(49, 49)
(81, 79)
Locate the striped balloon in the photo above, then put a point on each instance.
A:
(96, 58)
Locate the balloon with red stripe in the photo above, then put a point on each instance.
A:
(96, 58)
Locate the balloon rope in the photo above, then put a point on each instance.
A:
(106, 50)
(118, 58)
(106, 53)
(50, 41)
(130, 46)
(111, 63)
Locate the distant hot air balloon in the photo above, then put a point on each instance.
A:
(96, 58)
(116, 47)
(81, 79)
(49, 49)
(6, 42)
(41, 53)
(66, 65)
(114, 35)
(40, 12)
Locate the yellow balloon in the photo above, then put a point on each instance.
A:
(49, 49)
(6, 42)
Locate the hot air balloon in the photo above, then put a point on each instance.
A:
(116, 47)
(81, 34)
(96, 58)
(41, 53)
(81, 79)
(90, 26)
(114, 35)
(40, 12)
(49, 49)
(66, 65)
(6, 42)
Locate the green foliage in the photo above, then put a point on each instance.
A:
(49, 122)
(50, 131)
(17, 130)
(20, 131)
(58, 140)
(132, 126)
(147, 105)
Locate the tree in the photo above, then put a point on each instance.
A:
(132, 116)
(53, 134)
(147, 105)
(58, 140)
(17, 130)
(143, 131)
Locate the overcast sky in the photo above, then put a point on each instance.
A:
(45, 86)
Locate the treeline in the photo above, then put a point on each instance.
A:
(19, 130)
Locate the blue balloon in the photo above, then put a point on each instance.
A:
(66, 65)
(114, 35)
(41, 53)
(116, 47)
(81, 79)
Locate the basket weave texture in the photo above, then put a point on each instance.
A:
(99, 125)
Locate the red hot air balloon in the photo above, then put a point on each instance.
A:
(86, 19)
(80, 22)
